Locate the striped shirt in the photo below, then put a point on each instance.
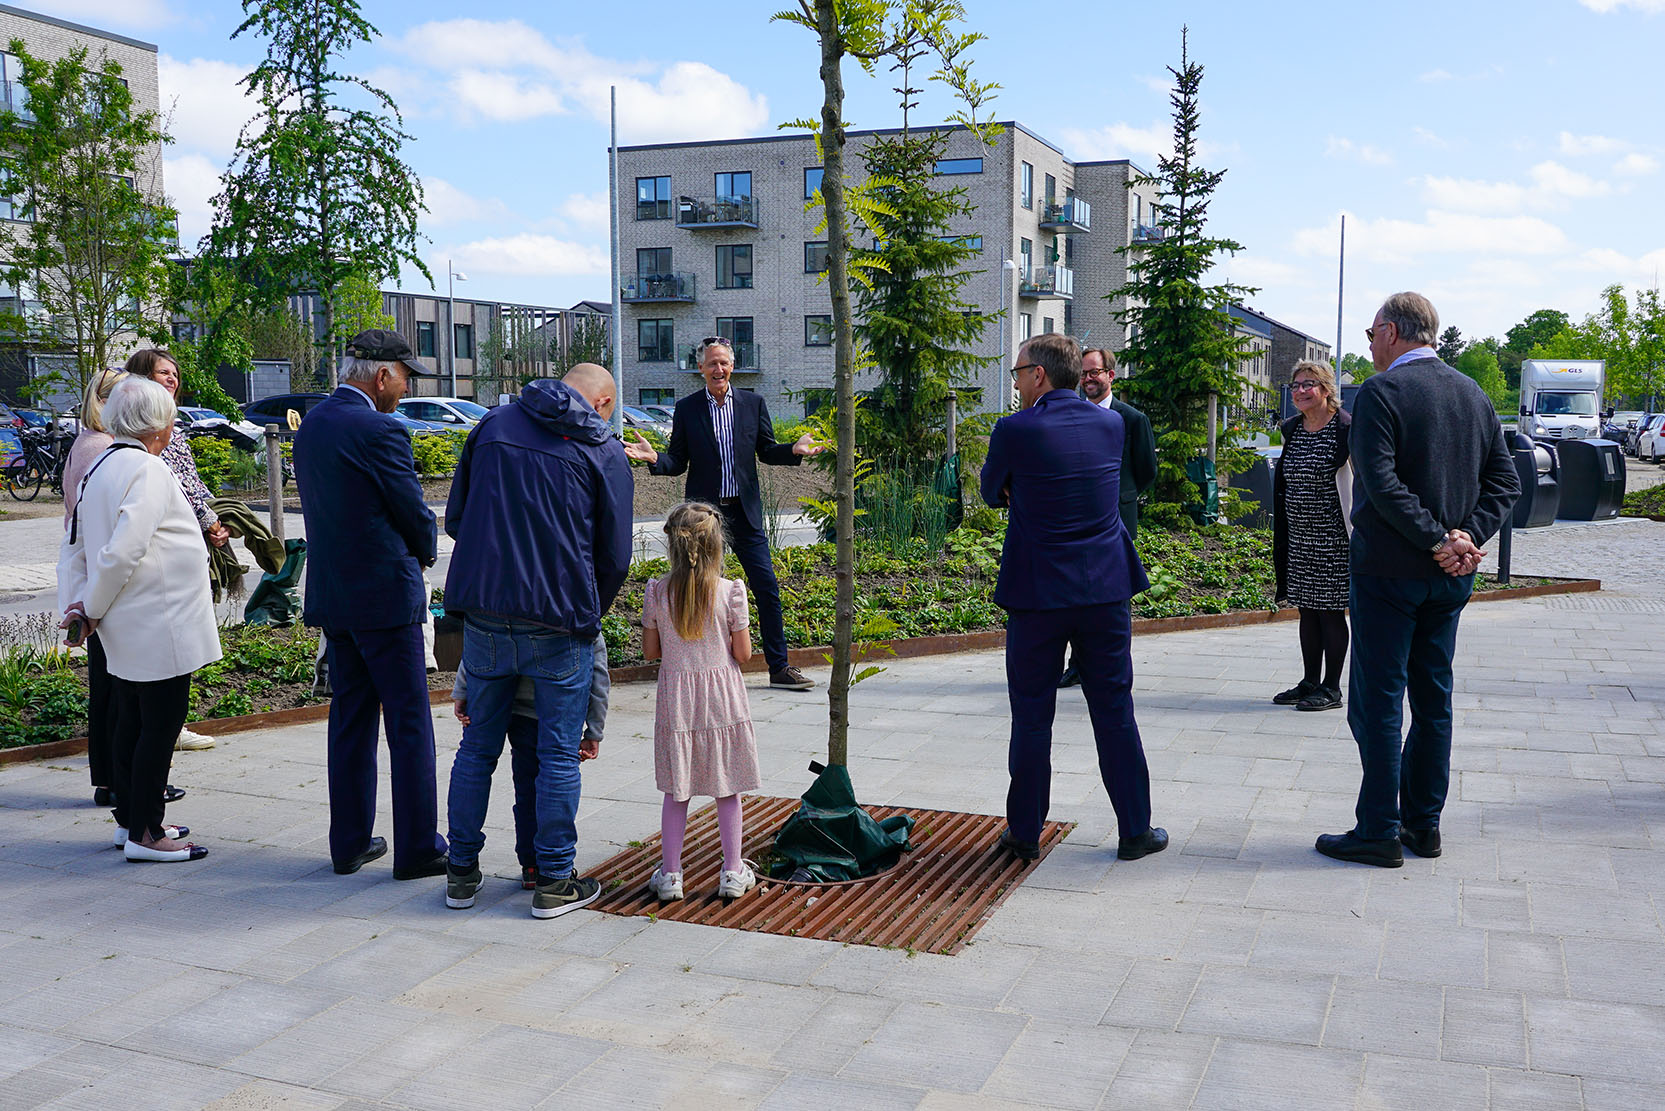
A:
(722, 425)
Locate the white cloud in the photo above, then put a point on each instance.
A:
(1361, 152)
(1636, 165)
(1429, 137)
(449, 205)
(1392, 240)
(505, 97)
(1435, 75)
(587, 212)
(205, 104)
(1120, 140)
(1579, 145)
(109, 13)
(690, 101)
(529, 255)
(1555, 180)
(1158, 84)
(192, 181)
(1651, 7)
(1466, 195)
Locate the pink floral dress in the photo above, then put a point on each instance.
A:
(703, 742)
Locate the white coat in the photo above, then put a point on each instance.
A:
(140, 568)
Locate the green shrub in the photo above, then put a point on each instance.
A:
(436, 454)
(214, 461)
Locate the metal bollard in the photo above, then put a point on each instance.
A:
(1505, 546)
(274, 481)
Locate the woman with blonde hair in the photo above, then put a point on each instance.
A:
(697, 623)
(1312, 497)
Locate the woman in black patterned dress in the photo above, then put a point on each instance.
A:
(1312, 499)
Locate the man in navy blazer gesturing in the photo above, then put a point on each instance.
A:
(369, 535)
(717, 436)
(1068, 572)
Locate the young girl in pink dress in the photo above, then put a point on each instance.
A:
(702, 730)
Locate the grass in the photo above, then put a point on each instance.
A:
(1645, 503)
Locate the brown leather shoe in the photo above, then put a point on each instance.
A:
(790, 679)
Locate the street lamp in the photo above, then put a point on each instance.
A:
(452, 276)
(1007, 301)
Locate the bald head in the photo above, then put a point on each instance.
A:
(594, 384)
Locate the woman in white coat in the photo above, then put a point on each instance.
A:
(135, 565)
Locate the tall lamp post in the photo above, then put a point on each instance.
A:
(1008, 269)
(452, 276)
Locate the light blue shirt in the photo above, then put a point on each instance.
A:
(1423, 352)
(368, 400)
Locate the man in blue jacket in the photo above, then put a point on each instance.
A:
(540, 509)
(1067, 574)
(369, 535)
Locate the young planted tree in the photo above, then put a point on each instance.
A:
(1451, 346)
(1180, 350)
(88, 266)
(317, 190)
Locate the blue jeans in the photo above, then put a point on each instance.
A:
(1404, 636)
(496, 654)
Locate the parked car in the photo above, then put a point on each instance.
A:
(447, 412)
(31, 418)
(1619, 424)
(1650, 443)
(660, 413)
(422, 427)
(1633, 436)
(276, 409)
(192, 416)
(637, 419)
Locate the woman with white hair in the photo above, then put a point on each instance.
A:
(134, 563)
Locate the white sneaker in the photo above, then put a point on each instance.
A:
(732, 885)
(192, 742)
(667, 886)
(175, 832)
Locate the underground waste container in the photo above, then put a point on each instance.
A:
(1540, 481)
(1592, 479)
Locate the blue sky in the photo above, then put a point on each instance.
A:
(1499, 157)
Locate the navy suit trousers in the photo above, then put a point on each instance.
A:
(381, 672)
(1405, 634)
(751, 548)
(1101, 637)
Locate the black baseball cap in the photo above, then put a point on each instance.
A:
(384, 345)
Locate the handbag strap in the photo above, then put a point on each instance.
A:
(75, 517)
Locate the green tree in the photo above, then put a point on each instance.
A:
(1359, 367)
(1451, 346)
(588, 342)
(915, 325)
(89, 265)
(1181, 349)
(1630, 338)
(1480, 363)
(358, 305)
(1519, 340)
(278, 332)
(316, 191)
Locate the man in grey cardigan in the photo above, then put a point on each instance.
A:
(1432, 482)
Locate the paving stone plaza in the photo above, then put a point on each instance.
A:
(1524, 968)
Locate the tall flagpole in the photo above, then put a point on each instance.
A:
(1340, 282)
(613, 219)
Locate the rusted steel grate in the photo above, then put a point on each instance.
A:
(933, 901)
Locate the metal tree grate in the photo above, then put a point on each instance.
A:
(933, 901)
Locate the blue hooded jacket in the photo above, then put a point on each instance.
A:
(541, 512)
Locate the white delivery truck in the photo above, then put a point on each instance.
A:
(1560, 399)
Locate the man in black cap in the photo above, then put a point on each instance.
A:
(369, 535)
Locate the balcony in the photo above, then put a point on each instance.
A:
(1044, 282)
(724, 212)
(17, 100)
(647, 288)
(747, 359)
(1072, 215)
(1149, 233)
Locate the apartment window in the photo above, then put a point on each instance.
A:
(425, 338)
(734, 266)
(815, 257)
(652, 261)
(734, 187)
(1051, 189)
(1026, 257)
(1026, 186)
(812, 180)
(654, 341)
(657, 395)
(735, 329)
(463, 336)
(1026, 326)
(959, 166)
(1046, 326)
(17, 207)
(653, 198)
(969, 242)
(818, 331)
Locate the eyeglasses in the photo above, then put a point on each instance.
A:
(1021, 367)
(1303, 384)
(1095, 372)
(1370, 333)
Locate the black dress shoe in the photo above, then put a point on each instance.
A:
(1294, 694)
(376, 849)
(1153, 840)
(1023, 850)
(434, 867)
(103, 796)
(1422, 842)
(1357, 850)
(1071, 678)
(170, 793)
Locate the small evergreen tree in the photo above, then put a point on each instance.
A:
(1451, 346)
(1180, 348)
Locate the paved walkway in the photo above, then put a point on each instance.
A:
(1525, 968)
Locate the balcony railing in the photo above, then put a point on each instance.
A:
(747, 358)
(1073, 214)
(1149, 233)
(723, 212)
(17, 100)
(1047, 281)
(658, 287)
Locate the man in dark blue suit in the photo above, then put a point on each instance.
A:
(717, 436)
(1067, 574)
(369, 535)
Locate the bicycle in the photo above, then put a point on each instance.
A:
(43, 459)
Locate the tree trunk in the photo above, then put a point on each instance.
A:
(832, 193)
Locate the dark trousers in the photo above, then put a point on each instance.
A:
(1405, 634)
(148, 717)
(523, 767)
(751, 548)
(381, 671)
(1129, 511)
(101, 763)
(1101, 637)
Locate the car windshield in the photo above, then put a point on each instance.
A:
(636, 414)
(1567, 404)
(469, 409)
